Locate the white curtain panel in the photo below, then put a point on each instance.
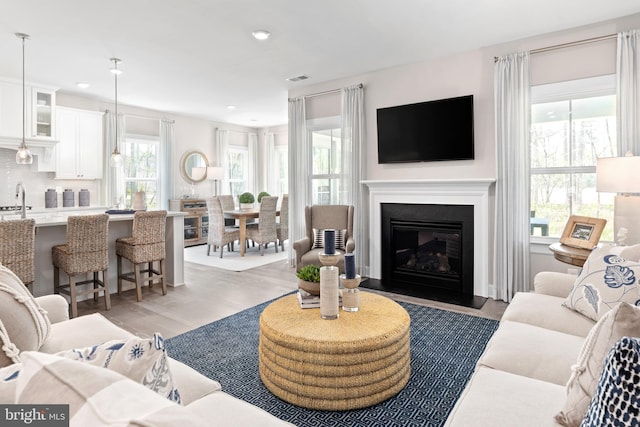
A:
(628, 92)
(512, 118)
(353, 151)
(222, 142)
(271, 173)
(254, 165)
(113, 190)
(298, 172)
(166, 154)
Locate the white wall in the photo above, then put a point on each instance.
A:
(462, 74)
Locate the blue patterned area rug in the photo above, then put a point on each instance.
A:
(444, 349)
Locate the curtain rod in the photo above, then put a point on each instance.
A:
(568, 44)
(326, 92)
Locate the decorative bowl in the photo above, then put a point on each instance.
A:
(329, 259)
(350, 283)
(312, 287)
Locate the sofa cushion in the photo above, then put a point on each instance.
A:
(8, 379)
(616, 400)
(606, 279)
(141, 360)
(230, 411)
(547, 312)
(24, 326)
(532, 351)
(623, 320)
(82, 331)
(498, 398)
(96, 396)
(191, 384)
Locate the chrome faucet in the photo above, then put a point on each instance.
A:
(20, 189)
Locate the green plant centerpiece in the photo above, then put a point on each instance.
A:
(262, 194)
(309, 279)
(246, 200)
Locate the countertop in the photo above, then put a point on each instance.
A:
(58, 216)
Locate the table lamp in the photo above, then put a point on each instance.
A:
(215, 174)
(622, 175)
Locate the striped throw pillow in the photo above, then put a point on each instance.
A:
(318, 238)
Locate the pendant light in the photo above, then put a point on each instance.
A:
(23, 156)
(116, 157)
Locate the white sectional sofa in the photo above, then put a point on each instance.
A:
(65, 380)
(521, 378)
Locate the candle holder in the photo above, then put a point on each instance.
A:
(351, 293)
(329, 259)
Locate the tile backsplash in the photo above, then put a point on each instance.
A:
(36, 183)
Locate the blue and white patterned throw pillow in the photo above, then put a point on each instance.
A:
(606, 279)
(617, 398)
(142, 360)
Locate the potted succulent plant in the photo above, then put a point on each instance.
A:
(262, 194)
(309, 279)
(246, 201)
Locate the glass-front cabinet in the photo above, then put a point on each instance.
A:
(196, 221)
(43, 103)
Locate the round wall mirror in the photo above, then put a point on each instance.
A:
(194, 166)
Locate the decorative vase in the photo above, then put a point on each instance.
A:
(246, 206)
(329, 292)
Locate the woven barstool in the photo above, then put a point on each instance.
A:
(86, 251)
(17, 239)
(144, 246)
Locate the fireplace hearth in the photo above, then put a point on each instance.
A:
(427, 252)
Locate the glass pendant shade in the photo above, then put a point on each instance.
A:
(23, 156)
(116, 159)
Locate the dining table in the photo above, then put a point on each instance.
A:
(242, 215)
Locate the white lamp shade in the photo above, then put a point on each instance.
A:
(198, 173)
(215, 173)
(618, 174)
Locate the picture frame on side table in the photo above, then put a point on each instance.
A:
(582, 232)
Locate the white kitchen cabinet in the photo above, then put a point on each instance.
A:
(10, 109)
(40, 112)
(43, 120)
(79, 152)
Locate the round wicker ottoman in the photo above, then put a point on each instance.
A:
(355, 361)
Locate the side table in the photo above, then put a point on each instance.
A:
(569, 255)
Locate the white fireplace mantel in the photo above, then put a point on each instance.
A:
(472, 191)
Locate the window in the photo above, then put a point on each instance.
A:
(141, 161)
(326, 162)
(238, 161)
(281, 159)
(572, 124)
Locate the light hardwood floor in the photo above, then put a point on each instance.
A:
(212, 293)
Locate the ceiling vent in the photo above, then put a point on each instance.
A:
(298, 78)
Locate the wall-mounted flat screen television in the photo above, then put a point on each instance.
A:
(427, 131)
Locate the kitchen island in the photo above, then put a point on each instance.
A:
(51, 230)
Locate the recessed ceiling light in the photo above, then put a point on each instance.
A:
(261, 34)
(231, 107)
(82, 85)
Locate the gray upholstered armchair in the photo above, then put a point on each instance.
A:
(318, 218)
